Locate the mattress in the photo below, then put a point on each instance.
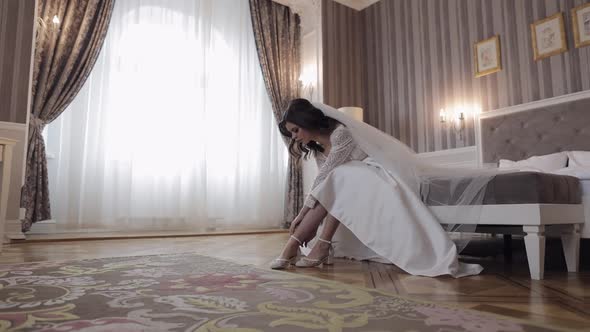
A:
(585, 187)
(585, 184)
(513, 188)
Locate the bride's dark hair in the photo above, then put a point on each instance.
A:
(303, 114)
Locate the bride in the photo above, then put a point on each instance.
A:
(366, 194)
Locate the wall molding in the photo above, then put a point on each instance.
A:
(43, 227)
(13, 126)
(13, 230)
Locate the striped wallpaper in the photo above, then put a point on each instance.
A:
(416, 56)
(343, 55)
(17, 19)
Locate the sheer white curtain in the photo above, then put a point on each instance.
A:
(173, 129)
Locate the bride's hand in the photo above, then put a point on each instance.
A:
(295, 223)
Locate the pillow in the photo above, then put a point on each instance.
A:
(546, 163)
(578, 158)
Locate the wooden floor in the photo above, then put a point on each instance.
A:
(562, 299)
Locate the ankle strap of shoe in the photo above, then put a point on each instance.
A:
(296, 239)
(325, 241)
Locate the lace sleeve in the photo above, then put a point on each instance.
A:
(310, 200)
(342, 147)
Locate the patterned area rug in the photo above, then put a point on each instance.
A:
(188, 292)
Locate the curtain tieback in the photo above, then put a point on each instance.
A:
(36, 122)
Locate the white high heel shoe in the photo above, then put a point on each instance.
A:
(327, 260)
(283, 263)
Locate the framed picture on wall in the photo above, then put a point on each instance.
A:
(581, 23)
(548, 36)
(487, 56)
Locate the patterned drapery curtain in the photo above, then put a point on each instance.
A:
(69, 38)
(277, 33)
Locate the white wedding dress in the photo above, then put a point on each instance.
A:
(370, 182)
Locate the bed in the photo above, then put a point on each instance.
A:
(532, 202)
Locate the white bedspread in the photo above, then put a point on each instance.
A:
(583, 173)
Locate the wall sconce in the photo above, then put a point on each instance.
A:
(457, 121)
(43, 26)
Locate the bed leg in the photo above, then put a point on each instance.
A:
(534, 242)
(571, 247)
(508, 247)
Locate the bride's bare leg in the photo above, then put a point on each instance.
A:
(320, 249)
(306, 230)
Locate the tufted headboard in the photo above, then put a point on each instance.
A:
(538, 128)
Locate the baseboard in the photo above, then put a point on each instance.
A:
(13, 230)
(13, 126)
(142, 235)
(43, 227)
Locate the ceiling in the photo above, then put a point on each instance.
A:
(357, 4)
(309, 10)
